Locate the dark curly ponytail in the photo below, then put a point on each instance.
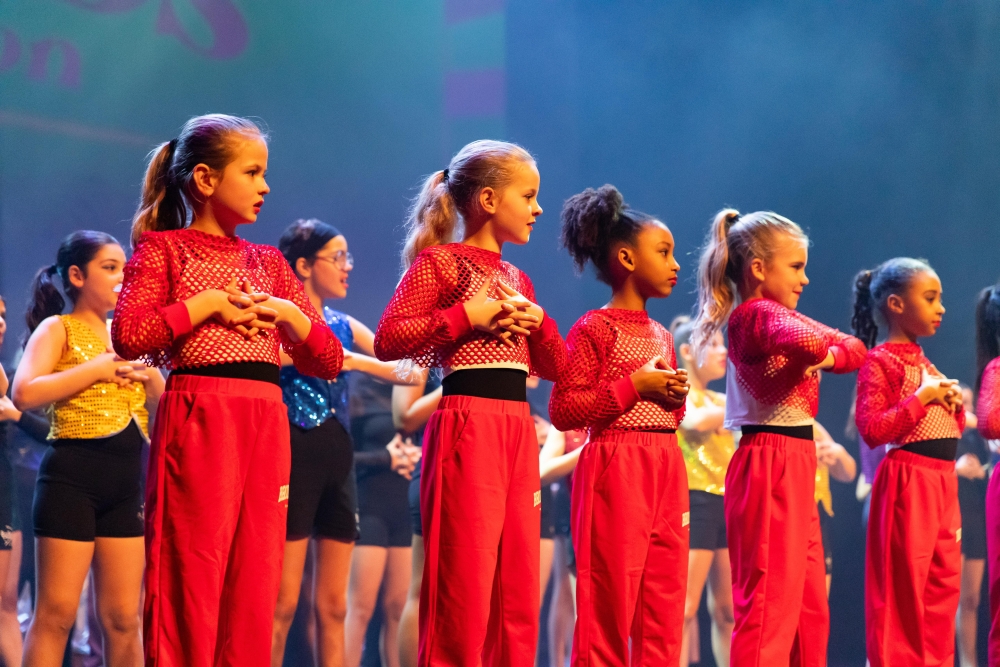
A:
(863, 319)
(987, 330)
(873, 288)
(593, 221)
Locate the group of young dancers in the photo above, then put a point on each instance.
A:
(251, 453)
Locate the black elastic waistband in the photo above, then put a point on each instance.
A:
(261, 371)
(668, 431)
(941, 448)
(502, 384)
(128, 440)
(800, 432)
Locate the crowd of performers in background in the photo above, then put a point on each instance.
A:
(297, 474)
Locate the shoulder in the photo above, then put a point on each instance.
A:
(594, 324)
(992, 368)
(53, 330)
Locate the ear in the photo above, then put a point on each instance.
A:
(687, 354)
(625, 256)
(895, 304)
(303, 268)
(204, 180)
(757, 266)
(75, 276)
(489, 200)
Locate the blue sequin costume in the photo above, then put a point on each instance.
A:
(310, 400)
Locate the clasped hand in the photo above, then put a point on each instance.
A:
(658, 382)
(511, 314)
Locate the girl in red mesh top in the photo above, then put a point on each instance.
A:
(988, 417)
(460, 307)
(758, 261)
(217, 488)
(913, 553)
(630, 500)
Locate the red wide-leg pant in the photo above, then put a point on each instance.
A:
(480, 501)
(913, 562)
(993, 564)
(216, 506)
(776, 552)
(631, 534)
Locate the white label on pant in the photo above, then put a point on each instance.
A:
(685, 519)
(283, 493)
(538, 498)
(958, 535)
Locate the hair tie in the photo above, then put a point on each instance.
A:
(52, 270)
(172, 144)
(444, 175)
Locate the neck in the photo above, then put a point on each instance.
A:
(95, 317)
(481, 236)
(898, 335)
(695, 378)
(627, 297)
(315, 299)
(205, 221)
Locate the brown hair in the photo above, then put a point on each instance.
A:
(733, 242)
(452, 193)
(167, 192)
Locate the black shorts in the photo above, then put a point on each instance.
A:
(562, 507)
(825, 526)
(972, 503)
(548, 531)
(708, 521)
(91, 488)
(384, 507)
(414, 498)
(322, 491)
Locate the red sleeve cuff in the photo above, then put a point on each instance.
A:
(916, 409)
(458, 321)
(177, 318)
(625, 392)
(317, 340)
(546, 330)
(840, 359)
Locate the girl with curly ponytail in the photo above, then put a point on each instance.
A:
(623, 385)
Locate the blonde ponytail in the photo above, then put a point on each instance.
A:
(161, 206)
(716, 290)
(433, 219)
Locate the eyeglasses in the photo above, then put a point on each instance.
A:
(342, 260)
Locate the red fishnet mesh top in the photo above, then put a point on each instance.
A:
(426, 322)
(988, 408)
(770, 348)
(152, 324)
(604, 348)
(888, 410)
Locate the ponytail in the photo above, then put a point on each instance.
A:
(168, 195)
(716, 287)
(77, 249)
(451, 195)
(45, 301)
(863, 323)
(432, 219)
(987, 330)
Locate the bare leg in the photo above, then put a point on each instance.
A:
(699, 563)
(394, 595)
(119, 563)
(720, 606)
(563, 609)
(409, 619)
(288, 596)
(60, 569)
(367, 568)
(10, 628)
(333, 563)
(968, 609)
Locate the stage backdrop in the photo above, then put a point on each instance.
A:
(872, 124)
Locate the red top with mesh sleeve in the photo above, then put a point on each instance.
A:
(604, 348)
(770, 348)
(888, 410)
(426, 321)
(151, 322)
(988, 408)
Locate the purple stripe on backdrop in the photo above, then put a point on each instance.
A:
(473, 93)
(456, 11)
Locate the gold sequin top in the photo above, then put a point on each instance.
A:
(706, 454)
(823, 494)
(102, 409)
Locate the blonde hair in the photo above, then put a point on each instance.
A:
(733, 242)
(450, 194)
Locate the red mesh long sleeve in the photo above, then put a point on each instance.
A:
(887, 409)
(988, 408)
(771, 347)
(152, 323)
(595, 390)
(425, 320)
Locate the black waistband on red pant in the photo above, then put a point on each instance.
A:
(261, 371)
(800, 432)
(502, 384)
(940, 448)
